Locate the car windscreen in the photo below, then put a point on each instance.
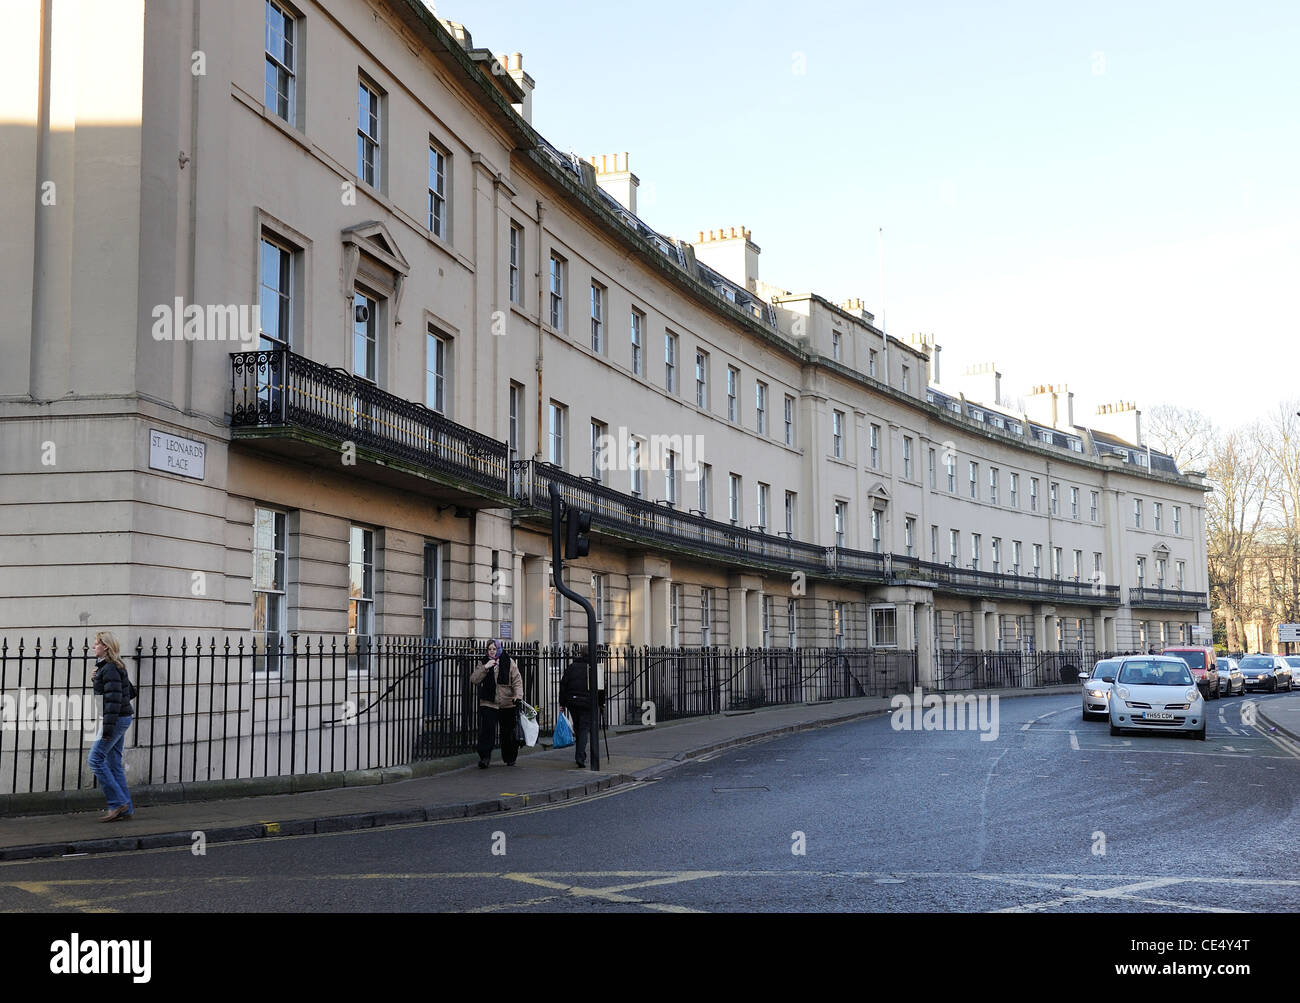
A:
(1195, 659)
(1103, 669)
(1293, 661)
(1260, 662)
(1154, 672)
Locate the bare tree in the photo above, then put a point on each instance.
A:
(1239, 472)
(1184, 433)
(1281, 443)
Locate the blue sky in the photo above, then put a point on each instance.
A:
(1105, 195)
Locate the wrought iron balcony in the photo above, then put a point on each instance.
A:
(661, 523)
(1168, 599)
(275, 391)
(994, 584)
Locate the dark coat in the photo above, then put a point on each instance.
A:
(111, 683)
(575, 694)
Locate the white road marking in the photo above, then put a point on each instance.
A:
(1074, 741)
(1027, 724)
(1066, 889)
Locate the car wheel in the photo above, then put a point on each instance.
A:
(1200, 735)
(1114, 730)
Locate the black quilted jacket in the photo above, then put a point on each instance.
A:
(111, 683)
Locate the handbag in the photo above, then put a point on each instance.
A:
(563, 731)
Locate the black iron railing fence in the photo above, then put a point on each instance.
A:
(280, 388)
(968, 670)
(235, 709)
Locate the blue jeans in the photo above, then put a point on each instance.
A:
(105, 762)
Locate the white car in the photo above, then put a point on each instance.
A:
(1096, 691)
(1156, 693)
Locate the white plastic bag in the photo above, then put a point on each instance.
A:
(528, 721)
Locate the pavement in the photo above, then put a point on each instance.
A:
(1283, 715)
(540, 776)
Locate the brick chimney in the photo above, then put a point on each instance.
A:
(616, 179)
(730, 251)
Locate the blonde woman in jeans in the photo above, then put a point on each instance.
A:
(105, 760)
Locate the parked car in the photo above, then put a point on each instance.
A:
(1230, 678)
(1266, 672)
(1096, 691)
(1294, 662)
(1156, 693)
(1202, 663)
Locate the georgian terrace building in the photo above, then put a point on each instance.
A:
(307, 318)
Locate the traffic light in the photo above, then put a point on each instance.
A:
(577, 524)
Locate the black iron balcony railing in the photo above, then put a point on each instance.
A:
(1168, 598)
(280, 389)
(272, 389)
(643, 518)
(993, 583)
(657, 522)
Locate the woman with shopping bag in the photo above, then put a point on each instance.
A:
(501, 691)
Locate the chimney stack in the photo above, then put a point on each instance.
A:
(730, 251)
(616, 179)
(512, 65)
(1051, 404)
(1121, 419)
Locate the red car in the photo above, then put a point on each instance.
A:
(1204, 671)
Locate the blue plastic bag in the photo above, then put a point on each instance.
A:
(563, 732)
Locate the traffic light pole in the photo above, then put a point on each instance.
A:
(557, 575)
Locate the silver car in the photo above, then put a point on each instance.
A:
(1156, 693)
(1096, 691)
(1230, 678)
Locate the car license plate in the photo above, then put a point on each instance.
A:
(1157, 715)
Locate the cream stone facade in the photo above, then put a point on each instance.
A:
(443, 307)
